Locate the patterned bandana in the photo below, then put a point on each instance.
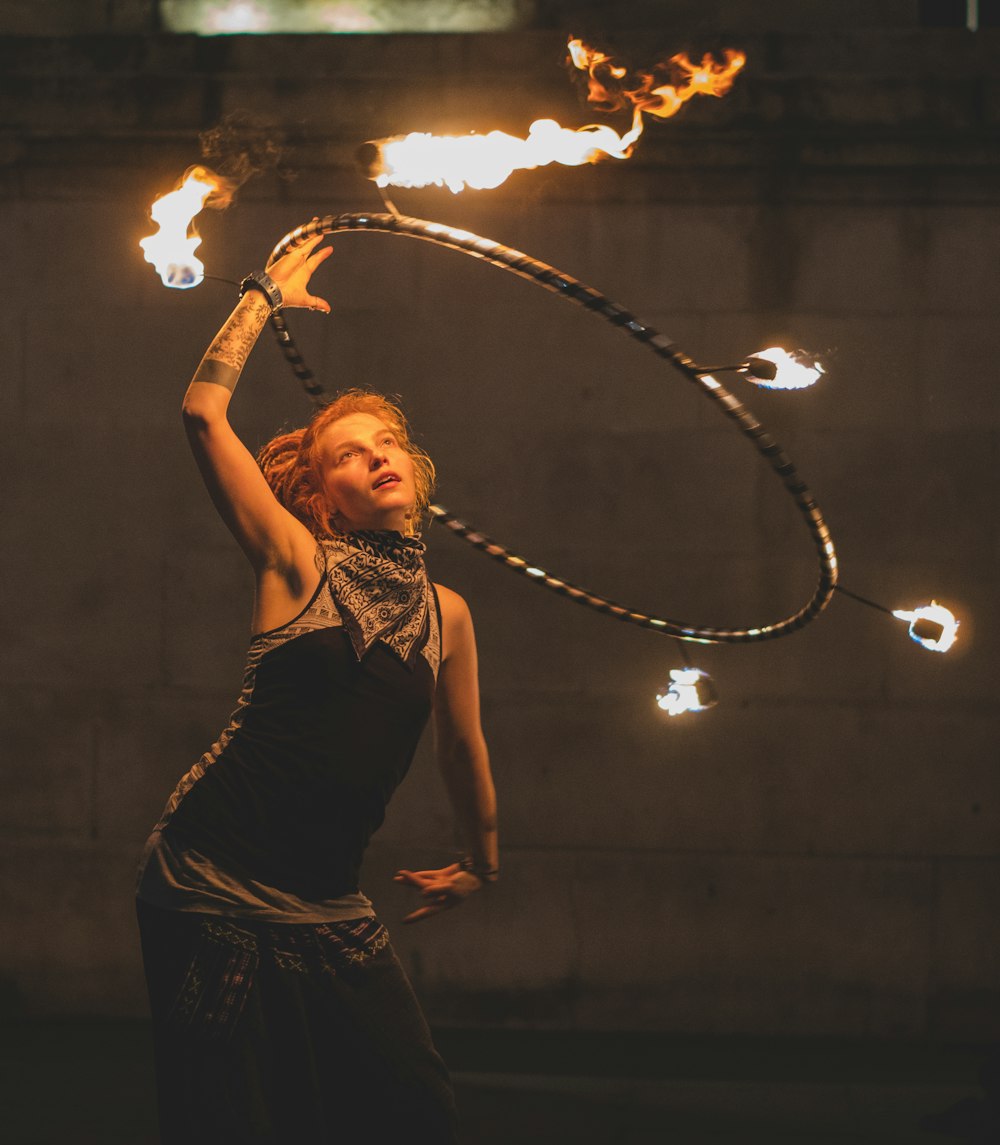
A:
(381, 589)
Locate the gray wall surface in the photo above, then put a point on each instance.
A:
(818, 854)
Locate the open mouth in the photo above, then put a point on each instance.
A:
(388, 479)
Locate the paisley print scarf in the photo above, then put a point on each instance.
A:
(381, 590)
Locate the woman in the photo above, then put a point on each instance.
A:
(280, 1012)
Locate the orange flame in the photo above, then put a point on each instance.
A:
(171, 249)
(612, 86)
(483, 161)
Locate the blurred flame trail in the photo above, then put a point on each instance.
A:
(484, 161)
(171, 249)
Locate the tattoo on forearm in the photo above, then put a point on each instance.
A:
(218, 373)
(227, 355)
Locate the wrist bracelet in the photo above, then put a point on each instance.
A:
(483, 873)
(259, 280)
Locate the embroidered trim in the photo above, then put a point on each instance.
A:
(218, 981)
(286, 961)
(351, 943)
(380, 942)
(228, 935)
(227, 958)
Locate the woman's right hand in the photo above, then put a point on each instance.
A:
(292, 272)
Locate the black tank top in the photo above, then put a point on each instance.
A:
(274, 820)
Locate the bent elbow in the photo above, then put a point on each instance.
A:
(199, 414)
(198, 424)
(194, 418)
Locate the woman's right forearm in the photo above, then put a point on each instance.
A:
(226, 356)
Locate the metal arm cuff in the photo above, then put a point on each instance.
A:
(263, 282)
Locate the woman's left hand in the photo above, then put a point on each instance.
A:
(443, 889)
(292, 272)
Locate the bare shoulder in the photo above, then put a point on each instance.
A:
(451, 603)
(456, 619)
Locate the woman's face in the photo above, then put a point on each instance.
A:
(367, 474)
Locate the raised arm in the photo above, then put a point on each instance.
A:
(465, 766)
(271, 537)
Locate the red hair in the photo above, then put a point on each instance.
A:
(290, 462)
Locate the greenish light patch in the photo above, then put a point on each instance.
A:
(319, 17)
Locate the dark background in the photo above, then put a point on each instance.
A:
(818, 855)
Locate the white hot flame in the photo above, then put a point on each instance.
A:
(935, 616)
(794, 371)
(485, 161)
(171, 249)
(682, 695)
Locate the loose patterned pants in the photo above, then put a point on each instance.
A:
(280, 1034)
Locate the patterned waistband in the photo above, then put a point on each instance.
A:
(326, 946)
(228, 957)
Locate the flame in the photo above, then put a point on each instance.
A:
(612, 86)
(485, 161)
(690, 690)
(171, 249)
(931, 625)
(793, 371)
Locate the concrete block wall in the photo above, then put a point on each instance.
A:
(816, 855)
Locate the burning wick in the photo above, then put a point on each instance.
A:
(171, 249)
(777, 369)
(931, 625)
(690, 690)
(485, 161)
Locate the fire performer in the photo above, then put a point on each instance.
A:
(280, 1011)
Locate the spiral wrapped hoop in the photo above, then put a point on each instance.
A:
(590, 299)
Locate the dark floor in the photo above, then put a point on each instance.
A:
(90, 1083)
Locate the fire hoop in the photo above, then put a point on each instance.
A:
(567, 287)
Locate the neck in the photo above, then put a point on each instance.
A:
(394, 522)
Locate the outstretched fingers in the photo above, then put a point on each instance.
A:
(439, 889)
(425, 878)
(299, 252)
(295, 268)
(313, 261)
